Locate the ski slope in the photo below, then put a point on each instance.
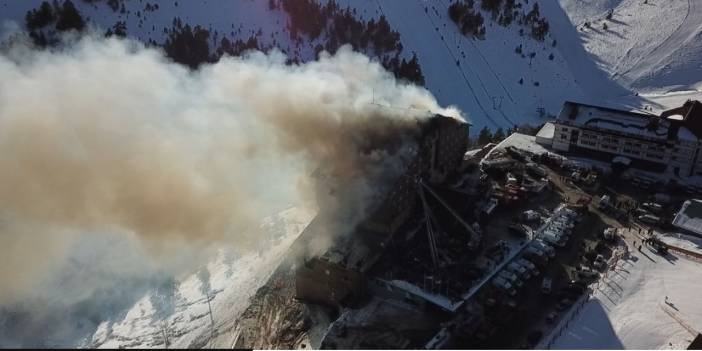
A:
(181, 315)
(648, 47)
(479, 76)
(629, 309)
(648, 51)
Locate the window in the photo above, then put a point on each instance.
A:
(563, 136)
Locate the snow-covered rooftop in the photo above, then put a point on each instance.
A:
(628, 122)
(690, 216)
(547, 131)
(522, 142)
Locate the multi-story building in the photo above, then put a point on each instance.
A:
(438, 152)
(669, 143)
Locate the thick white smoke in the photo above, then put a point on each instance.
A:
(107, 136)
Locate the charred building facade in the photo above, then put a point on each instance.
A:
(337, 277)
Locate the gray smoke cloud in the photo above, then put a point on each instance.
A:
(107, 138)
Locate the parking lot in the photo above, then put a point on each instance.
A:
(531, 313)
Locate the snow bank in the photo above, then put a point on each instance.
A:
(629, 310)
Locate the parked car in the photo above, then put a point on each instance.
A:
(530, 216)
(554, 239)
(519, 230)
(546, 285)
(653, 207)
(535, 169)
(531, 250)
(529, 265)
(640, 211)
(649, 219)
(587, 273)
(516, 268)
(548, 249)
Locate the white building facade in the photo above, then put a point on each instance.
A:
(669, 143)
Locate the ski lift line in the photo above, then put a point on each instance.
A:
(497, 77)
(463, 73)
(480, 80)
(480, 105)
(487, 63)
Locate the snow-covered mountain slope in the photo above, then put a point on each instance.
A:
(651, 47)
(480, 76)
(646, 46)
(487, 79)
(186, 312)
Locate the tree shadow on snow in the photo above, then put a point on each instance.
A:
(596, 83)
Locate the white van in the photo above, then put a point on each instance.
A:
(516, 268)
(548, 249)
(554, 239)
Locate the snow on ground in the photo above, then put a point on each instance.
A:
(652, 49)
(683, 241)
(629, 309)
(480, 76)
(651, 46)
(182, 313)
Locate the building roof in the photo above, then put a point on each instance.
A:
(547, 131)
(683, 123)
(690, 216)
(522, 142)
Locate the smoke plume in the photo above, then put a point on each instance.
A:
(105, 136)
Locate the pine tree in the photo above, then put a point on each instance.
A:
(69, 18)
(484, 136)
(40, 18)
(498, 136)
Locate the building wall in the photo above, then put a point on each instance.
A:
(675, 154)
(330, 284)
(561, 137)
(440, 152)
